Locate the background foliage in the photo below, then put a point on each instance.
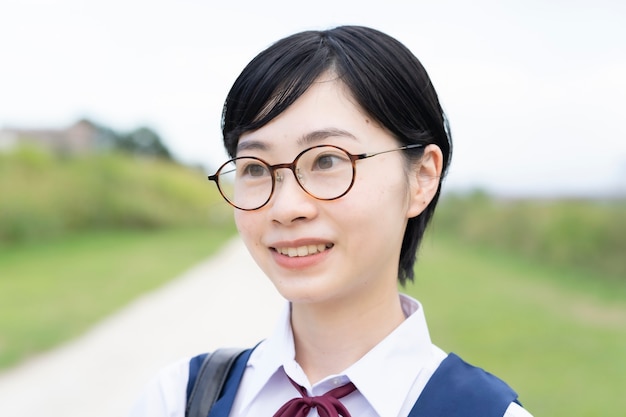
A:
(589, 235)
(45, 196)
(533, 290)
(80, 236)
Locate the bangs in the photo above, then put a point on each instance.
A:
(272, 82)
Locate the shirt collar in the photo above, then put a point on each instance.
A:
(398, 358)
(386, 373)
(270, 355)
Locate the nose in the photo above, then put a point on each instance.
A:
(290, 202)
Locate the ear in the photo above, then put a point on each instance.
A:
(425, 179)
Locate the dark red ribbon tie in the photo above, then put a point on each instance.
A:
(328, 405)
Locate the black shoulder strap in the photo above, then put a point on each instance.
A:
(209, 381)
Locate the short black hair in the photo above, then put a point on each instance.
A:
(384, 78)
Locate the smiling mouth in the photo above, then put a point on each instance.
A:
(304, 250)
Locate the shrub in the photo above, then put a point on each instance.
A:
(587, 234)
(43, 196)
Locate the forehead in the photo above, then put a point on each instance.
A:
(325, 112)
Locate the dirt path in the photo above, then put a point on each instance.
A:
(225, 301)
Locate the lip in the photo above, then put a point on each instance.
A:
(300, 262)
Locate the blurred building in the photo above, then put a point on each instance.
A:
(80, 138)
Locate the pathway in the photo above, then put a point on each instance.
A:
(225, 301)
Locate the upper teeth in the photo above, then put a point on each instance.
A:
(302, 250)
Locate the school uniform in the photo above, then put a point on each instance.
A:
(389, 378)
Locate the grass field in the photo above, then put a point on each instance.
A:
(51, 292)
(557, 336)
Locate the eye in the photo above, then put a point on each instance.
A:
(325, 162)
(328, 161)
(252, 169)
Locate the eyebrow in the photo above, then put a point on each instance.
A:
(309, 138)
(319, 135)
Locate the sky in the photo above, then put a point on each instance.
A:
(535, 90)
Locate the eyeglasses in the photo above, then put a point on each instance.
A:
(324, 172)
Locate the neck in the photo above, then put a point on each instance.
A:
(330, 338)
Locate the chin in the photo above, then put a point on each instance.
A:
(303, 294)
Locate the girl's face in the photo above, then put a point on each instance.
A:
(330, 251)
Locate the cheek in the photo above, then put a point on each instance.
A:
(246, 225)
(377, 213)
(238, 220)
(386, 192)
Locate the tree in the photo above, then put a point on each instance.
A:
(142, 141)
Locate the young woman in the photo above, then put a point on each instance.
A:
(339, 148)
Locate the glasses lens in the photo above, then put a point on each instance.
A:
(246, 182)
(326, 172)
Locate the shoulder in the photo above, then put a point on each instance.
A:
(165, 395)
(456, 383)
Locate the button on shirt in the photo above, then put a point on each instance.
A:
(389, 378)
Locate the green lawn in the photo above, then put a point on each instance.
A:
(51, 292)
(558, 337)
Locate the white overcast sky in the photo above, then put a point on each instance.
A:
(535, 89)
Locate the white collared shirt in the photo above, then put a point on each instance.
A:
(389, 378)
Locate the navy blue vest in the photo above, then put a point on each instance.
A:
(456, 389)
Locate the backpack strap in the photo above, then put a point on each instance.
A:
(207, 375)
(458, 389)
